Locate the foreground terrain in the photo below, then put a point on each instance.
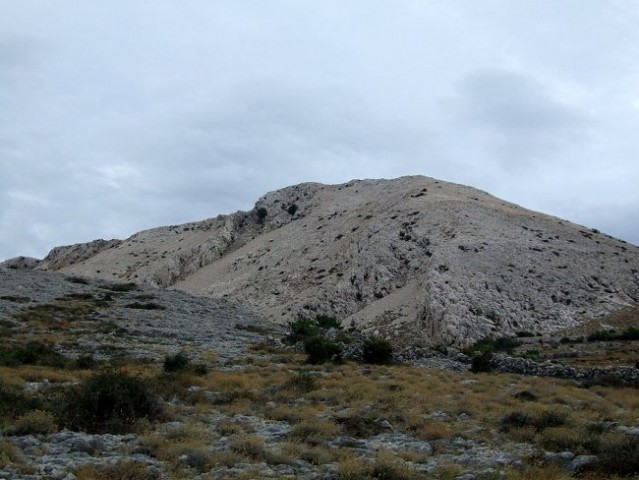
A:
(104, 380)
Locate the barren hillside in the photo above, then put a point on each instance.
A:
(414, 258)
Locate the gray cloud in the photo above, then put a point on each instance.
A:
(116, 117)
(519, 115)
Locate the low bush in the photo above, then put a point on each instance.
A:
(304, 328)
(145, 306)
(251, 446)
(540, 421)
(86, 362)
(631, 333)
(602, 336)
(526, 396)
(524, 334)
(177, 362)
(321, 350)
(481, 363)
(32, 353)
(34, 422)
(302, 382)
(377, 351)
(110, 402)
(261, 214)
(489, 345)
(121, 287)
(326, 321)
(12, 402)
(301, 329)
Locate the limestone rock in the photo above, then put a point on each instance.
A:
(414, 258)
(20, 263)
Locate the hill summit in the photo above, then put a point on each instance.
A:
(413, 258)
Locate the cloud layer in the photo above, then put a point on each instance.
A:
(120, 116)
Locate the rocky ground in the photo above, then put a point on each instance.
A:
(252, 408)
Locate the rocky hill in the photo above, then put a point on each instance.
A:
(414, 258)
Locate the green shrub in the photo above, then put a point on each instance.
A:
(32, 353)
(301, 329)
(489, 344)
(526, 396)
(292, 209)
(540, 421)
(602, 336)
(79, 280)
(320, 350)
(514, 420)
(630, 333)
(377, 350)
(85, 362)
(177, 362)
(481, 363)
(12, 402)
(524, 334)
(261, 214)
(326, 322)
(304, 328)
(110, 402)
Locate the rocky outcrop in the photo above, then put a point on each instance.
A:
(413, 258)
(60, 257)
(21, 263)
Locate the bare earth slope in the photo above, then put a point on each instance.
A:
(415, 258)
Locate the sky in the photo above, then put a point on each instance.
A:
(130, 114)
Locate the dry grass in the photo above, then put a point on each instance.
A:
(34, 422)
(314, 431)
(9, 454)
(323, 402)
(128, 470)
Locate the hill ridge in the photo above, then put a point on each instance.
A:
(415, 258)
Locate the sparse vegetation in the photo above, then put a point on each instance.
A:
(276, 408)
(31, 353)
(491, 345)
(111, 402)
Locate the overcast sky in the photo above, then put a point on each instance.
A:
(124, 115)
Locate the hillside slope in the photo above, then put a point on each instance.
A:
(414, 257)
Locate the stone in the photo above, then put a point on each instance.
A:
(630, 431)
(562, 458)
(580, 461)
